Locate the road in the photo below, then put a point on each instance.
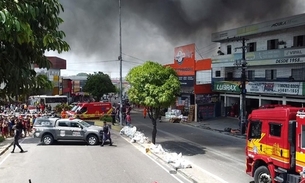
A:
(74, 162)
(216, 153)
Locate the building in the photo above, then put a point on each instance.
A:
(53, 73)
(195, 80)
(275, 56)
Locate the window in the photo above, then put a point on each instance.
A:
(303, 136)
(63, 123)
(255, 130)
(43, 123)
(251, 47)
(251, 74)
(298, 74)
(299, 41)
(229, 76)
(275, 129)
(270, 74)
(82, 110)
(75, 125)
(229, 49)
(57, 100)
(217, 73)
(272, 44)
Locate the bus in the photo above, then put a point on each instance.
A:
(51, 100)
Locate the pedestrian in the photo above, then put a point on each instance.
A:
(128, 119)
(113, 113)
(17, 135)
(106, 135)
(144, 112)
(4, 128)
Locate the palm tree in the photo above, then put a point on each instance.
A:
(42, 84)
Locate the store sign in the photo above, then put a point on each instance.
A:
(228, 86)
(187, 80)
(207, 98)
(289, 60)
(266, 57)
(288, 88)
(295, 52)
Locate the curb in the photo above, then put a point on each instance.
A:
(6, 148)
(216, 130)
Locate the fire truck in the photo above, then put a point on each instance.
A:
(275, 150)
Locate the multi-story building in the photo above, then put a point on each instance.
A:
(53, 73)
(275, 56)
(196, 99)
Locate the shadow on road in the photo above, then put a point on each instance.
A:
(182, 147)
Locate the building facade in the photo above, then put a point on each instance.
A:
(53, 73)
(275, 56)
(196, 97)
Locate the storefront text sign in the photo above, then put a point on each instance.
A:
(283, 88)
(187, 80)
(288, 88)
(226, 86)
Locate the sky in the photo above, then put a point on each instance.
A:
(151, 29)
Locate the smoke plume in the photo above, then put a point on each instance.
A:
(151, 29)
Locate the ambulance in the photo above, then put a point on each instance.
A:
(90, 110)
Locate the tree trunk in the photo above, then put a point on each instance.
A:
(154, 131)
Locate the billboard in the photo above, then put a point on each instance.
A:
(184, 60)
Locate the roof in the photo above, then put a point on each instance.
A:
(252, 29)
(269, 113)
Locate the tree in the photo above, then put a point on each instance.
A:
(154, 86)
(99, 84)
(28, 28)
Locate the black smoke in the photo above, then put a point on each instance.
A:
(152, 28)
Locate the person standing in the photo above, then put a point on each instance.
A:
(144, 112)
(17, 135)
(106, 134)
(128, 119)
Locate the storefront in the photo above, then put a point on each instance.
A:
(258, 94)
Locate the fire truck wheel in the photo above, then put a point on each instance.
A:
(262, 175)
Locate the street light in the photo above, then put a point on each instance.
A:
(121, 59)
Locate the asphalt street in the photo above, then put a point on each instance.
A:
(216, 153)
(75, 162)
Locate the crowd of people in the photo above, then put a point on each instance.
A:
(17, 114)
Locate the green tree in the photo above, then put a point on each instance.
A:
(154, 86)
(99, 84)
(41, 85)
(28, 28)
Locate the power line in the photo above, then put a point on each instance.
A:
(134, 57)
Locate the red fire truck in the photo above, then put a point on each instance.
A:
(275, 147)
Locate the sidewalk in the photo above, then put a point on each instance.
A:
(225, 125)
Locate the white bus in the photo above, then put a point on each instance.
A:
(47, 100)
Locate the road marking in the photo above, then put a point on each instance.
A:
(7, 156)
(210, 174)
(175, 177)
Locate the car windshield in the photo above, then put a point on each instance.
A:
(84, 123)
(74, 108)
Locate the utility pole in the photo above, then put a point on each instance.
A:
(121, 60)
(243, 64)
